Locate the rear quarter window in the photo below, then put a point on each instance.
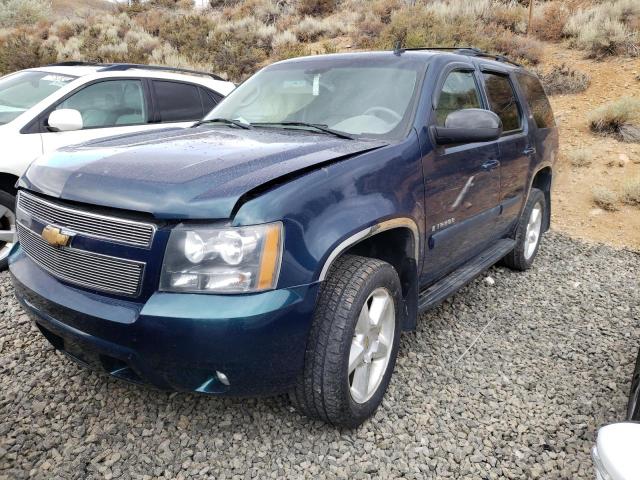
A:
(536, 98)
(178, 102)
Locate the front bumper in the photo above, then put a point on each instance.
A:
(175, 341)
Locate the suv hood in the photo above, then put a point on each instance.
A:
(184, 173)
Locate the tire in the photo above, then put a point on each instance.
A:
(7, 221)
(326, 390)
(634, 398)
(522, 256)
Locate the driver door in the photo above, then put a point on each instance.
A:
(462, 183)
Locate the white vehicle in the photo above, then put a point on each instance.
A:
(616, 454)
(42, 109)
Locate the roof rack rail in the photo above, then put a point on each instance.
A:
(72, 64)
(117, 67)
(470, 51)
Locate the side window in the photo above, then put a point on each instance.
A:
(458, 92)
(178, 102)
(109, 104)
(537, 100)
(502, 100)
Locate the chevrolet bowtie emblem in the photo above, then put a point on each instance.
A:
(54, 236)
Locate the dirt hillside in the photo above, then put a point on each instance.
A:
(574, 210)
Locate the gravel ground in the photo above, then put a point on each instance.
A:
(505, 380)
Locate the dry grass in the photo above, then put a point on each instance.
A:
(581, 157)
(605, 199)
(620, 118)
(550, 21)
(562, 80)
(631, 192)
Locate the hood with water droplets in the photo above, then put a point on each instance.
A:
(194, 173)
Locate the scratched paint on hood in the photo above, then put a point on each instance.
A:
(174, 173)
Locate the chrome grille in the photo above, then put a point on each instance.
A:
(83, 268)
(111, 229)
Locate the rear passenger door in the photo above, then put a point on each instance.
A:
(462, 182)
(515, 150)
(180, 103)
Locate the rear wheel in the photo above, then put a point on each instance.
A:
(7, 227)
(528, 233)
(353, 342)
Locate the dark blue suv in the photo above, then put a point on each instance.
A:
(283, 243)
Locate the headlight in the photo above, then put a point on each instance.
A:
(222, 260)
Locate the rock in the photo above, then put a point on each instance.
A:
(623, 160)
(491, 385)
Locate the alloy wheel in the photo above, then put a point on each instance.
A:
(371, 345)
(534, 227)
(7, 231)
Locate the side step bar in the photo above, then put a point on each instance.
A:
(442, 289)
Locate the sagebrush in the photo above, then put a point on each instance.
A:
(236, 37)
(620, 118)
(562, 79)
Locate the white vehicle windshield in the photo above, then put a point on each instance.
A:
(359, 97)
(21, 91)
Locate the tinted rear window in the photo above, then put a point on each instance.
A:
(178, 102)
(537, 100)
(502, 100)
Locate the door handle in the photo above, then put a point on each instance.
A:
(490, 165)
(529, 151)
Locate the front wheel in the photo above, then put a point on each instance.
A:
(353, 343)
(7, 227)
(528, 232)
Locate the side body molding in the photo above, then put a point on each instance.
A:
(400, 222)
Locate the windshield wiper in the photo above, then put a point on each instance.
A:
(315, 126)
(226, 121)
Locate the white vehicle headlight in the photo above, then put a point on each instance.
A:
(222, 260)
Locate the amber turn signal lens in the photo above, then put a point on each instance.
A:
(270, 261)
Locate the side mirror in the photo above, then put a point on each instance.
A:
(65, 120)
(467, 126)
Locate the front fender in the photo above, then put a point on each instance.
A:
(328, 209)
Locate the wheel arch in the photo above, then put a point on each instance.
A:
(395, 241)
(543, 180)
(8, 182)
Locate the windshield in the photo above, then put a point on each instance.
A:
(361, 97)
(21, 91)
